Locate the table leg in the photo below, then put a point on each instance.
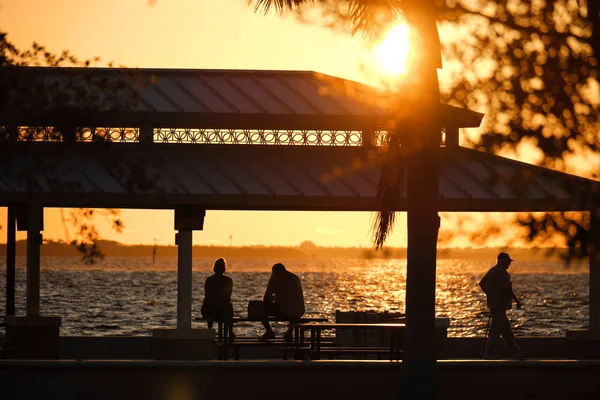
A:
(223, 327)
(220, 339)
(297, 343)
(312, 343)
(318, 355)
(396, 343)
(392, 344)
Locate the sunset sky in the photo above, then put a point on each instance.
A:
(200, 34)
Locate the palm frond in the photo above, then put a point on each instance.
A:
(279, 6)
(373, 16)
(389, 191)
(367, 16)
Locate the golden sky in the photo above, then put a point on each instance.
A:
(199, 34)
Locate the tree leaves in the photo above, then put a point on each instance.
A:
(27, 89)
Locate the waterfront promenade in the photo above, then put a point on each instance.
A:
(466, 379)
(123, 368)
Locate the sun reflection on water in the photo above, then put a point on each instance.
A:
(132, 296)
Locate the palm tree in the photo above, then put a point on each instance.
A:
(420, 152)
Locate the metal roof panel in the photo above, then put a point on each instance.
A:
(267, 172)
(528, 188)
(449, 189)
(97, 172)
(256, 94)
(261, 177)
(349, 95)
(207, 95)
(154, 97)
(178, 93)
(187, 178)
(255, 88)
(209, 173)
(471, 186)
(308, 89)
(231, 92)
(494, 181)
(243, 177)
(276, 85)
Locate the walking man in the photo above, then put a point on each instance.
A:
(497, 286)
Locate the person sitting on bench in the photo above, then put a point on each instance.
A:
(283, 299)
(216, 305)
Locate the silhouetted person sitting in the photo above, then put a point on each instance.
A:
(283, 299)
(497, 286)
(216, 305)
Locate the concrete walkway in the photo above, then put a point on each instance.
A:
(464, 379)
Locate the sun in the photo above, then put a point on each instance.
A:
(392, 52)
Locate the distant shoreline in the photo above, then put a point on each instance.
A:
(306, 250)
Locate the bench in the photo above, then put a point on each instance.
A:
(223, 341)
(317, 347)
(239, 344)
(333, 352)
(3, 350)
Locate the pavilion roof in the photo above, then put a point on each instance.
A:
(264, 177)
(227, 99)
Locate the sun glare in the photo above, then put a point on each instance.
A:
(393, 50)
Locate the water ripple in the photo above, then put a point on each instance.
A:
(132, 296)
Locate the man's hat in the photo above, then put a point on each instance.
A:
(504, 256)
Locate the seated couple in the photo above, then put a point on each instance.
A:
(283, 299)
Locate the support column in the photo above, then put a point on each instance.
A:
(184, 343)
(369, 139)
(146, 134)
(32, 336)
(594, 284)
(68, 132)
(452, 137)
(13, 133)
(34, 241)
(184, 280)
(583, 344)
(11, 244)
(422, 144)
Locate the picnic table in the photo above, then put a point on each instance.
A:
(395, 330)
(223, 329)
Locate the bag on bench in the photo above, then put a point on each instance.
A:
(256, 310)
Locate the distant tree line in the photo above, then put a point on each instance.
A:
(116, 249)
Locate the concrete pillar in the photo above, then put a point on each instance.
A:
(68, 132)
(369, 139)
(32, 336)
(184, 279)
(146, 134)
(34, 241)
(13, 133)
(594, 305)
(451, 136)
(10, 260)
(184, 343)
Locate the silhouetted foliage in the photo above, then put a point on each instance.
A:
(531, 66)
(27, 90)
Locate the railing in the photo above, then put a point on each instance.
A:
(201, 136)
(259, 137)
(53, 134)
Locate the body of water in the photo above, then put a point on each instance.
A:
(130, 296)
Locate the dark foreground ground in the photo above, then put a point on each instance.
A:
(107, 368)
(254, 379)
